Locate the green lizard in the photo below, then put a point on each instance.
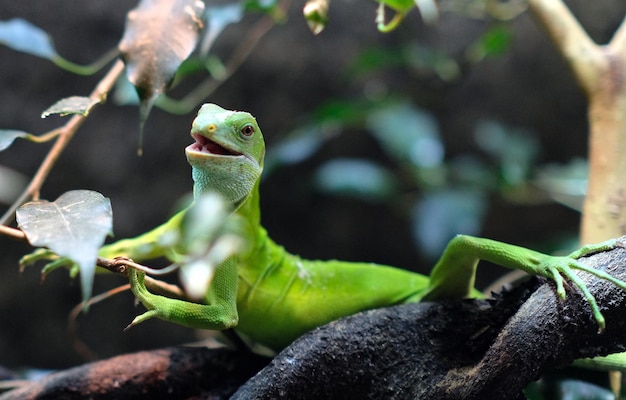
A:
(272, 296)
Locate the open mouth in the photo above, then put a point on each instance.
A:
(206, 145)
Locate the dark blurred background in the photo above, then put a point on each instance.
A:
(294, 81)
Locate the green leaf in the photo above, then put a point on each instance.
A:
(493, 42)
(159, 35)
(74, 226)
(266, 6)
(7, 136)
(71, 105)
(408, 134)
(23, 36)
(515, 149)
(297, 147)
(565, 183)
(316, 15)
(444, 213)
(355, 178)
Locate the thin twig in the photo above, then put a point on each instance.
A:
(72, 322)
(12, 232)
(120, 265)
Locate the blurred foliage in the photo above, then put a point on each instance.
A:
(450, 194)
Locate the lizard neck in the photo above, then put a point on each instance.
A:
(249, 209)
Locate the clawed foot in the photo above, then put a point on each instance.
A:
(138, 287)
(558, 267)
(54, 262)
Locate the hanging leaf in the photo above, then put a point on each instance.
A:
(7, 136)
(400, 7)
(74, 226)
(71, 105)
(23, 36)
(159, 36)
(218, 17)
(316, 15)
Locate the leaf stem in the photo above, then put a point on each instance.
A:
(88, 69)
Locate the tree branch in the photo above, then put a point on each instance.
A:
(582, 54)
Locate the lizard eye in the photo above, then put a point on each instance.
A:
(247, 130)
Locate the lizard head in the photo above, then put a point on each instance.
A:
(227, 155)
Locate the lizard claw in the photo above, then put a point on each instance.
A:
(558, 267)
(54, 262)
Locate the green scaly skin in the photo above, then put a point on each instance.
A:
(272, 296)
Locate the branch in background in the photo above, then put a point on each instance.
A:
(601, 72)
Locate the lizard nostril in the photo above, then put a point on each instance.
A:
(211, 128)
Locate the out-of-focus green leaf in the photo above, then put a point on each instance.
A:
(297, 147)
(74, 226)
(7, 136)
(408, 134)
(355, 178)
(374, 59)
(493, 42)
(514, 149)
(23, 36)
(316, 15)
(218, 17)
(400, 7)
(11, 184)
(432, 60)
(566, 184)
(472, 171)
(566, 389)
(424, 60)
(442, 214)
(71, 105)
(260, 5)
(343, 112)
(159, 35)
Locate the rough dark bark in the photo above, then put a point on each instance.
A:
(447, 350)
(170, 373)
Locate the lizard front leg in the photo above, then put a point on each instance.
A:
(219, 312)
(453, 275)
